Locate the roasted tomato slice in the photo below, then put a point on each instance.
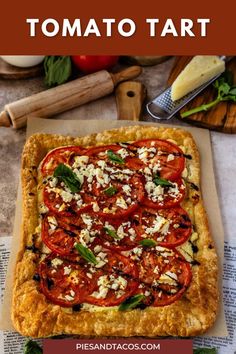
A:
(116, 282)
(165, 276)
(57, 156)
(61, 233)
(168, 227)
(163, 197)
(118, 235)
(160, 156)
(63, 282)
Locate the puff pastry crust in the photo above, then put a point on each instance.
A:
(192, 315)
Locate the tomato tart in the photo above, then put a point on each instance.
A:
(115, 237)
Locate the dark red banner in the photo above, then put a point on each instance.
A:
(118, 27)
(117, 346)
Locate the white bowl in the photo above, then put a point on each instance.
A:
(23, 61)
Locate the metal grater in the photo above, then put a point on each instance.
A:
(163, 108)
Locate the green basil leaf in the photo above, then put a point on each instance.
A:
(148, 242)
(114, 157)
(66, 175)
(110, 191)
(86, 253)
(131, 302)
(110, 232)
(31, 347)
(233, 91)
(204, 351)
(162, 182)
(57, 70)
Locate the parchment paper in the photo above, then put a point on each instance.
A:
(84, 127)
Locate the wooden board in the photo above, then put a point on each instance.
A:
(12, 72)
(221, 117)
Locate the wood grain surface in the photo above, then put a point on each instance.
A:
(221, 117)
(12, 72)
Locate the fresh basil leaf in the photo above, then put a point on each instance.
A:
(162, 182)
(131, 302)
(31, 347)
(57, 70)
(66, 175)
(110, 232)
(86, 253)
(232, 91)
(204, 351)
(148, 242)
(110, 191)
(114, 157)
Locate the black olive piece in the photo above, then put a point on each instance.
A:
(194, 248)
(183, 226)
(195, 262)
(32, 248)
(36, 277)
(188, 156)
(70, 233)
(77, 307)
(50, 283)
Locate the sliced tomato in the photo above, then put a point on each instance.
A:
(61, 233)
(118, 235)
(174, 226)
(63, 282)
(165, 275)
(171, 196)
(120, 205)
(167, 157)
(117, 266)
(102, 153)
(57, 156)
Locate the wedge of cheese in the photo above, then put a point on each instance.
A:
(200, 69)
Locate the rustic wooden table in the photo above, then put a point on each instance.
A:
(154, 78)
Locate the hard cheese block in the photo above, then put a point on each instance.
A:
(201, 69)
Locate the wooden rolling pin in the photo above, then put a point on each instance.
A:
(62, 98)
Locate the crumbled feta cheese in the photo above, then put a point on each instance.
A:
(170, 157)
(120, 202)
(67, 270)
(56, 262)
(66, 196)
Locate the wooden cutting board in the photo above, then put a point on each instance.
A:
(12, 72)
(221, 117)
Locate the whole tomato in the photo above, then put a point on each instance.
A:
(91, 63)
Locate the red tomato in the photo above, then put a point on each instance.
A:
(64, 289)
(168, 199)
(62, 237)
(92, 63)
(117, 265)
(155, 267)
(57, 156)
(179, 230)
(167, 155)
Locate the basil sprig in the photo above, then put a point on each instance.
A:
(131, 302)
(110, 232)
(66, 175)
(162, 182)
(114, 157)
(205, 351)
(57, 69)
(86, 253)
(32, 347)
(148, 242)
(110, 191)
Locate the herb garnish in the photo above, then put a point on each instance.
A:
(131, 302)
(57, 70)
(162, 182)
(86, 253)
(66, 175)
(110, 232)
(32, 347)
(148, 242)
(226, 91)
(114, 157)
(110, 191)
(204, 351)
